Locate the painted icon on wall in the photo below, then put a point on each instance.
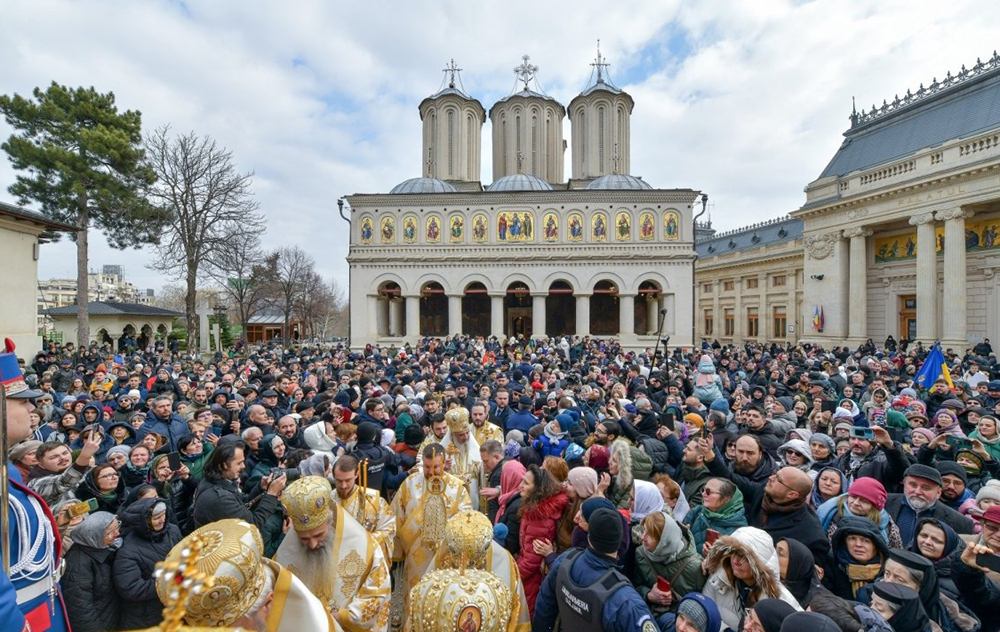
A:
(647, 227)
(515, 226)
(574, 227)
(672, 226)
(387, 228)
(367, 230)
(550, 228)
(433, 233)
(410, 229)
(623, 226)
(456, 230)
(599, 227)
(479, 229)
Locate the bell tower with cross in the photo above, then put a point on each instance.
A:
(452, 130)
(600, 118)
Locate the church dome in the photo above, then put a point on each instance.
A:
(422, 185)
(619, 181)
(520, 182)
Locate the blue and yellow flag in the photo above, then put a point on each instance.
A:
(933, 368)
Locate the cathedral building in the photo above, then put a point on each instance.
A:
(897, 236)
(534, 254)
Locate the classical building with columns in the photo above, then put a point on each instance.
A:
(532, 254)
(898, 234)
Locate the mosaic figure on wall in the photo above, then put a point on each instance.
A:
(366, 230)
(672, 226)
(599, 227)
(433, 229)
(388, 230)
(647, 227)
(479, 229)
(623, 227)
(550, 231)
(575, 227)
(456, 233)
(514, 226)
(527, 222)
(410, 230)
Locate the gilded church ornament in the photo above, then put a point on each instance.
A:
(479, 228)
(623, 226)
(647, 227)
(574, 227)
(387, 227)
(410, 229)
(456, 229)
(599, 227)
(550, 227)
(672, 226)
(367, 230)
(433, 232)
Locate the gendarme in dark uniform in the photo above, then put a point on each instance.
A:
(587, 592)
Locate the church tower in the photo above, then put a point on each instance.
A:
(453, 122)
(527, 131)
(600, 127)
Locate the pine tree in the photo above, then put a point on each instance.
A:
(81, 161)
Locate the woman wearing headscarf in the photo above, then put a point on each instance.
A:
(136, 469)
(864, 499)
(666, 551)
(797, 568)
(580, 485)
(269, 455)
(646, 499)
(597, 457)
(988, 433)
(510, 503)
(721, 510)
(829, 483)
(859, 555)
(901, 607)
(941, 545)
(742, 569)
(105, 484)
(767, 615)
(88, 574)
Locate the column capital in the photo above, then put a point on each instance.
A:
(578, 295)
(627, 294)
(857, 231)
(954, 213)
(925, 218)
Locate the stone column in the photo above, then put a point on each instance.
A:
(583, 314)
(374, 317)
(652, 314)
(954, 323)
(396, 305)
(763, 333)
(858, 309)
(737, 312)
(792, 311)
(626, 315)
(837, 329)
(538, 315)
(454, 315)
(496, 315)
(412, 317)
(927, 327)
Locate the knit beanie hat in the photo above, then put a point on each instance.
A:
(583, 480)
(695, 614)
(953, 468)
(825, 439)
(695, 419)
(869, 489)
(969, 455)
(925, 432)
(946, 412)
(342, 398)
(25, 448)
(772, 612)
(123, 450)
(413, 435)
(990, 490)
(605, 529)
(591, 505)
(367, 432)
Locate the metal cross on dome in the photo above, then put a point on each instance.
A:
(452, 70)
(525, 72)
(600, 64)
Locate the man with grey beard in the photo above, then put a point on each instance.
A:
(921, 492)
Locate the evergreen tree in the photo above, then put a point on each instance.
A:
(81, 161)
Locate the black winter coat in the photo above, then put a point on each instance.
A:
(884, 465)
(218, 499)
(513, 521)
(86, 580)
(135, 562)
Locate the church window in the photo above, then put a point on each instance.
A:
(583, 138)
(534, 146)
(451, 143)
(470, 161)
(600, 139)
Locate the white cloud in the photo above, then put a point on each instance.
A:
(319, 98)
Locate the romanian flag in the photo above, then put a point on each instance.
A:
(816, 318)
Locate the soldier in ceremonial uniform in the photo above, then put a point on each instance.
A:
(30, 598)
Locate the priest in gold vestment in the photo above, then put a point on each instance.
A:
(424, 503)
(249, 592)
(482, 429)
(363, 504)
(462, 457)
(469, 544)
(335, 557)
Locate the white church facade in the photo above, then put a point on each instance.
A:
(602, 254)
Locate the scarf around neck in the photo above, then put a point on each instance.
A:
(770, 507)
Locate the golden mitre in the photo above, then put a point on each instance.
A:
(228, 557)
(308, 502)
(468, 538)
(458, 419)
(450, 600)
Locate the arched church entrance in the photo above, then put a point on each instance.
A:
(476, 310)
(390, 312)
(604, 315)
(560, 310)
(517, 310)
(433, 310)
(647, 308)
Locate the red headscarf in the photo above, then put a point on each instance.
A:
(510, 484)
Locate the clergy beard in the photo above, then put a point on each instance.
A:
(317, 567)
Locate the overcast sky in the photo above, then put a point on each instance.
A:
(746, 101)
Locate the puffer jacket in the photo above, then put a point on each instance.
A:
(674, 559)
(758, 548)
(729, 518)
(135, 562)
(91, 607)
(539, 522)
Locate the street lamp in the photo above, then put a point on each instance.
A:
(220, 311)
(703, 198)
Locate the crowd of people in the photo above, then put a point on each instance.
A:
(759, 488)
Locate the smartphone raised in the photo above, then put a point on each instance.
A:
(991, 562)
(862, 433)
(82, 508)
(174, 459)
(711, 535)
(958, 443)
